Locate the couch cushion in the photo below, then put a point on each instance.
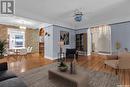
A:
(13, 82)
(6, 75)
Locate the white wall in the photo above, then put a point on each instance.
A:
(56, 39)
(81, 31)
(89, 42)
(49, 43)
(121, 33)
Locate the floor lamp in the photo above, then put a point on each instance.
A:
(61, 44)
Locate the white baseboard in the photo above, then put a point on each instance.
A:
(88, 54)
(50, 58)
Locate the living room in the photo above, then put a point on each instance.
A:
(64, 43)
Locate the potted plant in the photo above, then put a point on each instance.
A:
(118, 46)
(2, 47)
(62, 67)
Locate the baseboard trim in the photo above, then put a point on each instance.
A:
(50, 58)
(88, 54)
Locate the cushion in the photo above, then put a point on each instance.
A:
(13, 82)
(6, 75)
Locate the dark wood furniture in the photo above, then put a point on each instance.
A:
(71, 53)
(81, 42)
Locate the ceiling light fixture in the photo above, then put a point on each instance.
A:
(78, 15)
(22, 26)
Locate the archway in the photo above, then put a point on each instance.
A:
(41, 41)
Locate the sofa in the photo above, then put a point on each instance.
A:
(9, 79)
(123, 62)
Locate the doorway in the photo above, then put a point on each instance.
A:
(41, 41)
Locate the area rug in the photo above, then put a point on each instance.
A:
(39, 78)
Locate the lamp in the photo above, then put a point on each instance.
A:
(61, 44)
(22, 27)
(78, 15)
(47, 34)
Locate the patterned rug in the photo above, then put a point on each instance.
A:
(39, 78)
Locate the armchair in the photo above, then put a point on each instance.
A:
(123, 62)
(70, 53)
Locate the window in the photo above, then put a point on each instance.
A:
(19, 41)
(16, 39)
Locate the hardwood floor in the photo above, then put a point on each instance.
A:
(23, 64)
(95, 62)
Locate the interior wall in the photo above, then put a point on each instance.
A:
(56, 39)
(48, 43)
(120, 33)
(3, 32)
(89, 42)
(81, 31)
(32, 39)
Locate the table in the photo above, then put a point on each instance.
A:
(75, 80)
(16, 53)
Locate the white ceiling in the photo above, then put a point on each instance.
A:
(60, 12)
(20, 21)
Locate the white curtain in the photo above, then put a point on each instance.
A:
(101, 38)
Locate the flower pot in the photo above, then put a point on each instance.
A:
(63, 68)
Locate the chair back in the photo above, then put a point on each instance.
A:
(124, 60)
(30, 49)
(23, 51)
(70, 51)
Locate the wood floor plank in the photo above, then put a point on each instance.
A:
(94, 62)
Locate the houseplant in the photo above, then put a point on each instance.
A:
(62, 67)
(117, 46)
(2, 47)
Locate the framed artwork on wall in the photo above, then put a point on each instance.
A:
(64, 36)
